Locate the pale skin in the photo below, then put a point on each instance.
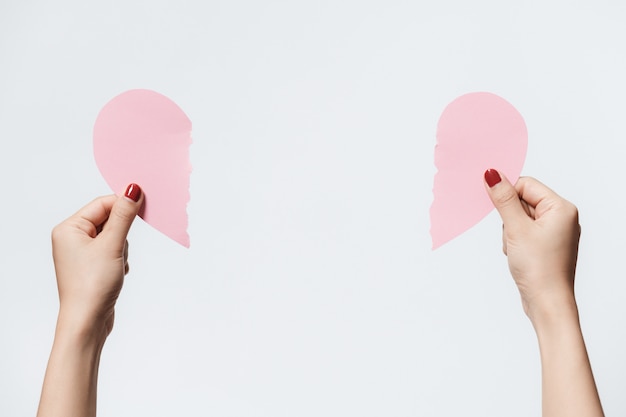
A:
(540, 239)
(91, 259)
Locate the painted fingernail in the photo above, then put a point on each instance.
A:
(133, 191)
(492, 177)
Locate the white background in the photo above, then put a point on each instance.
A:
(310, 288)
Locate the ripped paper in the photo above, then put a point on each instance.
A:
(476, 131)
(143, 137)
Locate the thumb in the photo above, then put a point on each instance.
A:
(123, 213)
(504, 198)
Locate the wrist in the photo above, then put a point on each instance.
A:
(81, 330)
(551, 311)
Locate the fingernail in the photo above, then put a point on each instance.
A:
(133, 191)
(492, 177)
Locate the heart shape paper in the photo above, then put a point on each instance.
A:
(477, 131)
(143, 137)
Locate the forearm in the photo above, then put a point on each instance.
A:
(568, 386)
(70, 384)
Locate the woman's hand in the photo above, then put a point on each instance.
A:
(90, 258)
(540, 238)
(90, 254)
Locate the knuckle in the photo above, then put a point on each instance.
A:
(569, 210)
(57, 233)
(573, 211)
(123, 214)
(506, 198)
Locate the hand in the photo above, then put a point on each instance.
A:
(91, 258)
(90, 254)
(540, 238)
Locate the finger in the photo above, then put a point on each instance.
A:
(528, 209)
(534, 192)
(90, 218)
(505, 198)
(123, 214)
(126, 267)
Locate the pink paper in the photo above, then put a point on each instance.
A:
(143, 137)
(477, 131)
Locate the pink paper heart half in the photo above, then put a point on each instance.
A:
(143, 137)
(476, 131)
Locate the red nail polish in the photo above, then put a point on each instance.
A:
(133, 191)
(492, 177)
